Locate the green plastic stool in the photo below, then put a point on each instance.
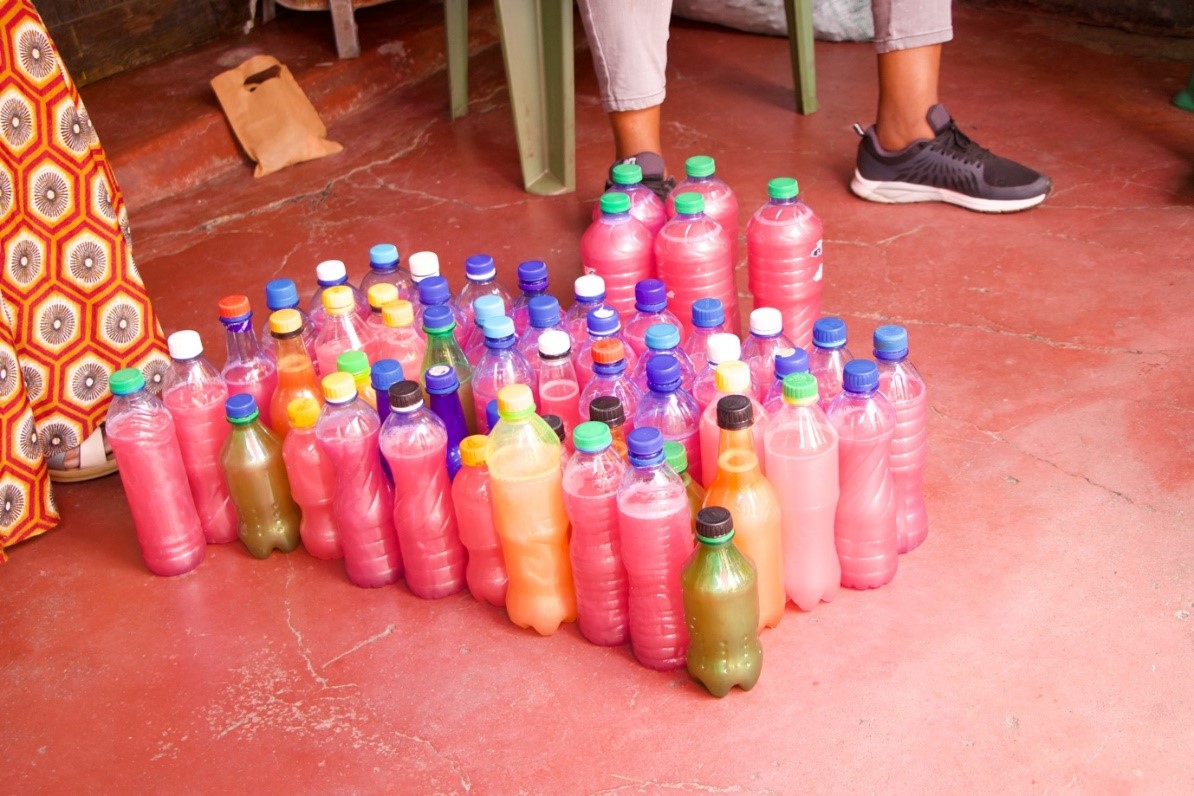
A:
(1185, 98)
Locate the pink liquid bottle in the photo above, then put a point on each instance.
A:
(473, 502)
(670, 408)
(708, 319)
(363, 505)
(247, 369)
(901, 383)
(720, 203)
(379, 296)
(384, 270)
(329, 274)
(435, 292)
(480, 279)
(588, 294)
(343, 330)
(532, 282)
(801, 451)
(282, 294)
(195, 393)
(693, 257)
(663, 339)
(484, 308)
(610, 378)
(864, 526)
(398, 340)
(501, 364)
(650, 308)
(591, 480)
(784, 259)
(543, 314)
(733, 378)
(603, 324)
(142, 434)
(784, 364)
(559, 391)
(618, 248)
(765, 341)
(645, 205)
(312, 481)
(655, 532)
(415, 442)
(828, 357)
(721, 348)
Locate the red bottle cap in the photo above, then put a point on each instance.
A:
(607, 352)
(234, 306)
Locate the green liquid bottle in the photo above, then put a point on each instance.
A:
(677, 459)
(442, 349)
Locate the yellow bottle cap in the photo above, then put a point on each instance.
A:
(732, 377)
(303, 412)
(472, 450)
(514, 399)
(380, 295)
(339, 387)
(339, 300)
(398, 313)
(285, 321)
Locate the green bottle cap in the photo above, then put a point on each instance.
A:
(783, 188)
(800, 388)
(700, 166)
(677, 457)
(126, 381)
(627, 174)
(592, 436)
(689, 203)
(615, 202)
(714, 525)
(353, 362)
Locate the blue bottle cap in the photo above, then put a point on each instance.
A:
(645, 446)
(240, 406)
(383, 257)
(650, 295)
(708, 313)
(860, 376)
(486, 307)
(532, 275)
(491, 413)
(479, 267)
(434, 290)
(663, 373)
(281, 294)
(829, 333)
(891, 342)
(662, 336)
(544, 311)
(498, 328)
(795, 361)
(603, 320)
(441, 379)
(385, 372)
(438, 316)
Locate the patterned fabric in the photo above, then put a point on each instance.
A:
(73, 308)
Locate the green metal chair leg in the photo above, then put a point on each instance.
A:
(800, 38)
(456, 33)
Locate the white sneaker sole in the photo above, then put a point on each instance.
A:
(908, 192)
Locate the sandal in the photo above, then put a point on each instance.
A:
(653, 173)
(92, 459)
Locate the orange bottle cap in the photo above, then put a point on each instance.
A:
(608, 351)
(398, 313)
(303, 412)
(473, 449)
(382, 294)
(285, 321)
(234, 306)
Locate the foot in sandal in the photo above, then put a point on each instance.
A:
(92, 459)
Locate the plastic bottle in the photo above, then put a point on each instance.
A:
(663, 339)
(608, 410)
(472, 500)
(603, 324)
(142, 433)
(195, 393)
(720, 202)
(282, 294)
(414, 443)
(670, 408)
(618, 248)
(677, 459)
(708, 319)
(422, 265)
(501, 364)
(247, 369)
(543, 314)
(721, 607)
(740, 487)
(484, 308)
(721, 348)
(398, 340)
(784, 258)
(442, 349)
(363, 505)
(864, 526)
(384, 270)
(559, 391)
(312, 481)
(588, 294)
(828, 357)
(296, 371)
(532, 281)
(356, 364)
(480, 279)
(591, 480)
(252, 460)
(655, 531)
(733, 378)
(901, 383)
(610, 378)
(528, 505)
(329, 274)
(650, 308)
(379, 296)
(443, 399)
(645, 205)
(693, 257)
(491, 414)
(765, 341)
(557, 427)
(434, 291)
(783, 365)
(342, 330)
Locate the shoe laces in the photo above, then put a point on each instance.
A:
(954, 143)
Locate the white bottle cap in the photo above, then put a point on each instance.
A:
(766, 322)
(554, 343)
(423, 265)
(185, 344)
(589, 286)
(331, 271)
(723, 347)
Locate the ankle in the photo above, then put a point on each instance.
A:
(895, 136)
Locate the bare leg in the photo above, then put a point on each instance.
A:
(636, 131)
(907, 89)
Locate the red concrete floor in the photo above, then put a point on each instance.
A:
(1040, 640)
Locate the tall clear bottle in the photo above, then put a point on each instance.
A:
(603, 324)
(559, 391)
(443, 399)
(247, 368)
(442, 349)
(312, 481)
(342, 330)
(296, 371)
(398, 340)
(480, 279)
(282, 294)
(618, 248)
(472, 499)
(693, 257)
(501, 364)
(650, 308)
(720, 202)
(766, 339)
(645, 204)
(329, 274)
(588, 294)
(384, 270)
(532, 281)
(902, 384)
(828, 357)
(670, 408)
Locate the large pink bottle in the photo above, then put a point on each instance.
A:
(312, 481)
(650, 309)
(415, 444)
(248, 369)
(473, 503)
(195, 393)
(618, 248)
(342, 330)
(559, 390)
(694, 259)
(363, 505)
(142, 434)
(733, 378)
(784, 260)
(828, 357)
(645, 204)
(901, 383)
(720, 202)
(802, 461)
(591, 480)
(865, 523)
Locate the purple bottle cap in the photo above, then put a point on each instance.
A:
(708, 313)
(479, 267)
(281, 294)
(829, 333)
(891, 342)
(438, 316)
(532, 275)
(645, 446)
(663, 373)
(385, 372)
(795, 361)
(860, 376)
(441, 380)
(240, 406)
(491, 413)
(434, 290)
(650, 295)
(544, 311)
(603, 320)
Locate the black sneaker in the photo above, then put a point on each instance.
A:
(653, 171)
(950, 168)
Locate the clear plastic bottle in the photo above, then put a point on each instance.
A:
(528, 505)
(864, 526)
(443, 399)
(828, 357)
(603, 324)
(655, 532)
(312, 481)
(902, 384)
(591, 480)
(693, 257)
(740, 487)
(733, 378)
(618, 248)
(559, 391)
(282, 294)
(650, 308)
(543, 314)
(721, 348)
(677, 459)
(784, 258)
(765, 341)
(296, 371)
(414, 442)
(247, 369)
(379, 296)
(484, 308)
(708, 319)
(645, 204)
(356, 364)
(501, 364)
(784, 364)
(663, 339)
(398, 340)
(434, 291)
(342, 330)
(142, 433)
(329, 274)
(721, 607)
(442, 349)
(720, 202)
(384, 270)
(610, 378)
(252, 460)
(472, 500)
(532, 281)
(608, 410)
(363, 505)
(588, 294)
(480, 279)
(670, 408)
(195, 393)
(801, 453)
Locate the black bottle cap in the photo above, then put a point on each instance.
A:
(714, 524)
(556, 423)
(735, 412)
(405, 394)
(608, 410)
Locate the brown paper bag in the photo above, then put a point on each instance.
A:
(271, 116)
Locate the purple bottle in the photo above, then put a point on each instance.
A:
(532, 281)
(443, 399)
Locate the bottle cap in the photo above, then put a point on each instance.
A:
(650, 295)
(240, 407)
(732, 377)
(338, 387)
(829, 333)
(662, 336)
(735, 412)
(714, 525)
(708, 313)
(615, 202)
(353, 362)
(700, 166)
(766, 322)
(185, 344)
(488, 306)
(676, 456)
(302, 412)
(284, 322)
(423, 265)
(479, 267)
(498, 328)
(860, 376)
(603, 321)
(608, 351)
(544, 311)
(405, 396)
(791, 360)
(589, 287)
(331, 272)
(607, 409)
(800, 388)
(891, 342)
(381, 294)
(492, 416)
(783, 188)
(473, 449)
(281, 294)
(398, 313)
(434, 290)
(385, 372)
(554, 344)
(126, 381)
(438, 318)
(515, 400)
(383, 257)
(626, 174)
(645, 445)
(532, 275)
(339, 300)
(723, 347)
(441, 380)
(556, 424)
(663, 373)
(234, 306)
(591, 436)
(690, 203)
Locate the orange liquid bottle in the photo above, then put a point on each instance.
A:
(296, 372)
